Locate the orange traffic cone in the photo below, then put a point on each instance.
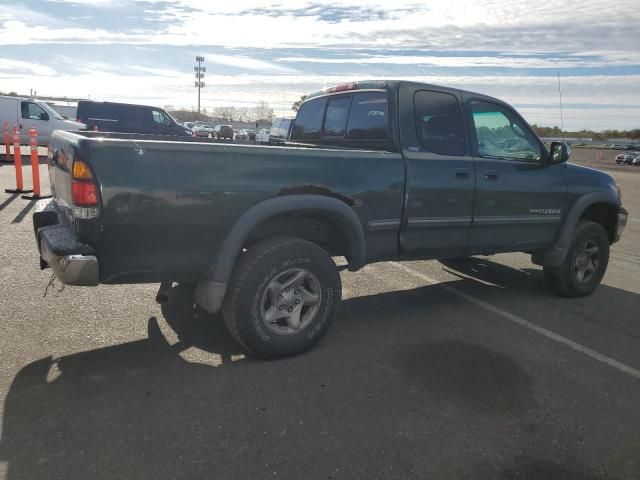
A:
(35, 167)
(17, 161)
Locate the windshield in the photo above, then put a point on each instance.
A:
(50, 111)
(172, 118)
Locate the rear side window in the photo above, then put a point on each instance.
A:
(335, 122)
(309, 120)
(439, 123)
(369, 117)
(102, 112)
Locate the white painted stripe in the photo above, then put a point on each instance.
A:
(523, 323)
(631, 219)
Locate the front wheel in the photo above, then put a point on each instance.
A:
(282, 297)
(585, 263)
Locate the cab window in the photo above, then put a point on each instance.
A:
(369, 117)
(500, 133)
(33, 111)
(160, 118)
(308, 123)
(335, 122)
(439, 123)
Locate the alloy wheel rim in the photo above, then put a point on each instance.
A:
(586, 261)
(290, 301)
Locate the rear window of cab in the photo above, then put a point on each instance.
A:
(347, 119)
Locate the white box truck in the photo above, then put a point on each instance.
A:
(26, 113)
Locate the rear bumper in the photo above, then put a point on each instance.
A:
(73, 262)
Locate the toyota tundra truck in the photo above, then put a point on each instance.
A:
(373, 171)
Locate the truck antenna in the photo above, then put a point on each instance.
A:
(561, 113)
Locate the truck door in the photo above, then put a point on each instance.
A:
(33, 115)
(520, 196)
(440, 175)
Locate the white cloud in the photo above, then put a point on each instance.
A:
(10, 68)
(412, 39)
(483, 24)
(245, 62)
(516, 61)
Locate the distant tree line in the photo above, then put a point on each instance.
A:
(9, 94)
(261, 113)
(557, 132)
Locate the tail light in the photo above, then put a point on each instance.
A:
(84, 191)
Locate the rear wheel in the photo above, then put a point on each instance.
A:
(282, 297)
(585, 263)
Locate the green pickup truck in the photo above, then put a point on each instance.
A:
(372, 171)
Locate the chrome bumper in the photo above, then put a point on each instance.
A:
(81, 270)
(73, 262)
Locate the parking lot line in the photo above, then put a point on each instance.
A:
(522, 322)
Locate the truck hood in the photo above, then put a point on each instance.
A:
(582, 179)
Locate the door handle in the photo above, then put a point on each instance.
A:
(490, 175)
(462, 173)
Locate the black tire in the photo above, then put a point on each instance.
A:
(250, 297)
(564, 280)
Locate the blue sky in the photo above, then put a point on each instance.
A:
(144, 51)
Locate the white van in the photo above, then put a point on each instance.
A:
(26, 113)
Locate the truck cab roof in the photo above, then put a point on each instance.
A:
(392, 85)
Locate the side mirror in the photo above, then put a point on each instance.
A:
(559, 152)
(44, 116)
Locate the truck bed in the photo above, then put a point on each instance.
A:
(167, 204)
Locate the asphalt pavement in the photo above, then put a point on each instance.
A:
(446, 370)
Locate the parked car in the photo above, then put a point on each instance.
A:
(203, 131)
(128, 118)
(618, 146)
(188, 125)
(380, 170)
(636, 161)
(223, 132)
(262, 136)
(27, 113)
(279, 132)
(629, 158)
(620, 158)
(246, 134)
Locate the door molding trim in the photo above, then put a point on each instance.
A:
(516, 219)
(383, 224)
(418, 222)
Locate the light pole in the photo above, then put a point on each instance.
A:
(199, 83)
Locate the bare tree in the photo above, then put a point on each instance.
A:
(263, 112)
(243, 114)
